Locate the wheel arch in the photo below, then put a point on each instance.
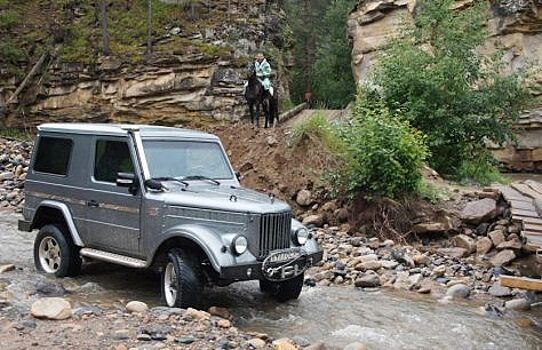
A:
(51, 212)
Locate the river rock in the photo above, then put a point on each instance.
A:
(483, 245)
(220, 312)
(514, 244)
(304, 198)
(517, 304)
(497, 237)
(499, 291)
(256, 343)
(315, 219)
(479, 211)
(369, 265)
(53, 308)
(283, 344)
(466, 242)
(504, 257)
(367, 281)
(197, 314)
(356, 346)
(455, 252)
(136, 306)
(458, 291)
(389, 264)
(6, 268)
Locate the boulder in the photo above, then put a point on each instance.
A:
(518, 304)
(499, 291)
(458, 291)
(455, 252)
(479, 211)
(136, 306)
(466, 242)
(497, 237)
(483, 245)
(369, 265)
(315, 219)
(53, 308)
(504, 257)
(431, 227)
(223, 323)
(514, 244)
(220, 312)
(304, 198)
(367, 281)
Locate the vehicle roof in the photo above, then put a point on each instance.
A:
(122, 129)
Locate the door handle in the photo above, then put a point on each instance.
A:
(93, 204)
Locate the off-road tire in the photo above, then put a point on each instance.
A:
(70, 260)
(189, 280)
(285, 290)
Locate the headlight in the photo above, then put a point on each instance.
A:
(301, 236)
(239, 245)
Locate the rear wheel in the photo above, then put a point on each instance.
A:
(182, 284)
(55, 253)
(284, 290)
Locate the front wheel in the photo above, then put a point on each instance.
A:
(182, 284)
(284, 290)
(55, 253)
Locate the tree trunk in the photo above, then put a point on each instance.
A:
(149, 28)
(105, 33)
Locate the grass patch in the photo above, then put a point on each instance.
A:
(481, 170)
(17, 134)
(318, 126)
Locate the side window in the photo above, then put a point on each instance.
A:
(53, 155)
(112, 157)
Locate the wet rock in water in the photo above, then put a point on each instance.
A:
(283, 344)
(367, 281)
(51, 308)
(458, 291)
(504, 257)
(465, 242)
(484, 245)
(497, 237)
(511, 244)
(479, 211)
(256, 343)
(136, 306)
(186, 340)
(304, 198)
(50, 289)
(315, 219)
(220, 312)
(455, 252)
(499, 291)
(356, 346)
(6, 268)
(517, 304)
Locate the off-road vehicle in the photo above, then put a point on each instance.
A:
(163, 198)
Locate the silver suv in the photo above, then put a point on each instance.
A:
(163, 198)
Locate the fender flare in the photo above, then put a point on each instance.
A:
(210, 242)
(67, 217)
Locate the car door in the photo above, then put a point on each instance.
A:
(112, 217)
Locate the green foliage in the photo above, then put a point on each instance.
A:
(445, 87)
(9, 18)
(480, 170)
(333, 81)
(429, 192)
(319, 127)
(10, 53)
(384, 154)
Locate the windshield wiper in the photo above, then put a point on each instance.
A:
(155, 182)
(200, 177)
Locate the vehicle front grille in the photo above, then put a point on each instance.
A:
(274, 232)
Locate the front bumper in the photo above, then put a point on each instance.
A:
(253, 271)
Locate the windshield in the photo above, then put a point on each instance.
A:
(181, 159)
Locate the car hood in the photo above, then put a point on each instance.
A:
(223, 197)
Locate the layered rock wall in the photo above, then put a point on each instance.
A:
(515, 25)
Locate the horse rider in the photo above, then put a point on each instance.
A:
(263, 72)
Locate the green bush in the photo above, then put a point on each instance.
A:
(448, 89)
(384, 154)
(482, 170)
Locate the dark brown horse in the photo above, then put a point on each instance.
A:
(257, 97)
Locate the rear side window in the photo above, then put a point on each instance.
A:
(53, 155)
(112, 157)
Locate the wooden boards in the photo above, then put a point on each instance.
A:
(521, 282)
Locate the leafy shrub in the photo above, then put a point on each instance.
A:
(384, 154)
(447, 88)
(481, 170)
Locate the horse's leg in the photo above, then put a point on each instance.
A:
(251, 109)
(266, 111)
(258, 114)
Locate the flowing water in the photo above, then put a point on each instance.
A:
(334, 315)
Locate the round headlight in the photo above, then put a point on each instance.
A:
(239, 245)
(301, 236)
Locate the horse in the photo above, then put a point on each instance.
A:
(257, 96)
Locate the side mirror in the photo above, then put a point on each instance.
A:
(128, 180)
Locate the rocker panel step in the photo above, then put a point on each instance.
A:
(113, 258)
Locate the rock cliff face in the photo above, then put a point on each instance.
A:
(514, 24)
(193, 77)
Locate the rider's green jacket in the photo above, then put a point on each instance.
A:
(263, 72)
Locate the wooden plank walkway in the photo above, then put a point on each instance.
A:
(525, 200)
